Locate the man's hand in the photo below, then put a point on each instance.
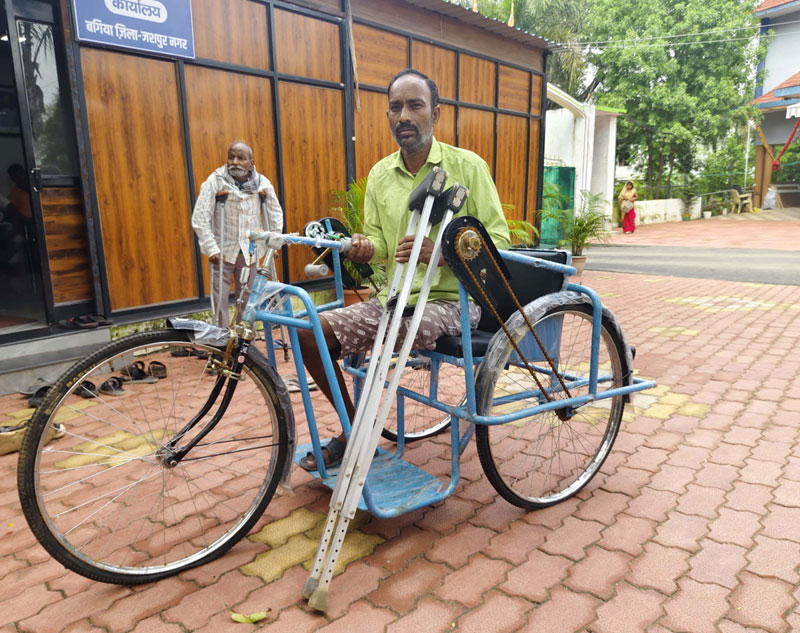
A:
(361, 249)
(214, 259)
(403, 251)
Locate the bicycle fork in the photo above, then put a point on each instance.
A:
(237, 349)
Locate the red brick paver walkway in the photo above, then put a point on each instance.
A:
(693, 524)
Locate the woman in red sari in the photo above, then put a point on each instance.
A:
(627, 197)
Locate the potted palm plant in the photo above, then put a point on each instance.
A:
(580, 226)
(348, 205)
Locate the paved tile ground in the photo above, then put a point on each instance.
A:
(691, 526)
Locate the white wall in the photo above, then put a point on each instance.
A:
(776, 128)
(559, 135)
(782, 56)
(604, 157)
(571, 139)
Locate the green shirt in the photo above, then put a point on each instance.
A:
(386, 211)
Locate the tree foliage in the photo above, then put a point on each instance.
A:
(679, 97)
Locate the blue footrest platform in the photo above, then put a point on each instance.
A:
(395, 485)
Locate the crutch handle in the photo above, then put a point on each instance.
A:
(432, 185)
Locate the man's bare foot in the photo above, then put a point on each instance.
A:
(332, 453)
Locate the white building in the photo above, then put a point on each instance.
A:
(584, 136)
(778, 97)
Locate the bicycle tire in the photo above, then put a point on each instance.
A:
(100, 500)
(541, 460)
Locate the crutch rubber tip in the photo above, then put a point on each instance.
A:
(319, 599)
(309, 587)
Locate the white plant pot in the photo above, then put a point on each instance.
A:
(706, 214)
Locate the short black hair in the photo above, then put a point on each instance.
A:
(431, 84)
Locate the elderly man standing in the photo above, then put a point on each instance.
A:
(233, 200)
(413, 111)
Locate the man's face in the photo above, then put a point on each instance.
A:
(410, 116)
(240, 161)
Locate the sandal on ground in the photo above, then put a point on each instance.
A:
(87, 389)
(112, 387)
(11, 436)
(78, 323)
(199, 353)
(179, 352)
(135, 373)
(336, 450)
(157, 369)
(36, 399)
(293, 386)
(100, 320)
(35, 386)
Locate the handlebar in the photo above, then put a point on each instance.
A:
(276, 240)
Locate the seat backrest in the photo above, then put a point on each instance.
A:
(527, 283)
(734, 195)
(486, 285)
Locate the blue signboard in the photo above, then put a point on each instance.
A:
(155, 26)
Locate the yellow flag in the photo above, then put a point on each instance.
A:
(475, 5)
(511, 17)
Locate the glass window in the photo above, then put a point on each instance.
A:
(53, 144)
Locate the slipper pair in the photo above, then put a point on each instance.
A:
(135, 373)
(336, 450)
(293, 385)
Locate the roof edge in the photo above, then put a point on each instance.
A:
(498, 27)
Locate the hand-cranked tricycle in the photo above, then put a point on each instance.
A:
(158, 452)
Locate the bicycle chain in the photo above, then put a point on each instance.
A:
(468, 245)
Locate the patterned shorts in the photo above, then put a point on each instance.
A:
(355, 326)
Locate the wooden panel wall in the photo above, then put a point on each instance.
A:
(439, 64)
(306, 46)
(445, 129)
(232, 31)
(533, 168)
(536, 94)
(140, 177)
(67, 244)
(476, 80)
(476, 132)
(512, 142)
(373, 136)
(379, 54)
(313, 158)
(513, 93)
(215, 120)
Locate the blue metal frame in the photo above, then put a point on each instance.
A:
(308, 319)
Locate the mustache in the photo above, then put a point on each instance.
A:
(237, 170)
(405, 126)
